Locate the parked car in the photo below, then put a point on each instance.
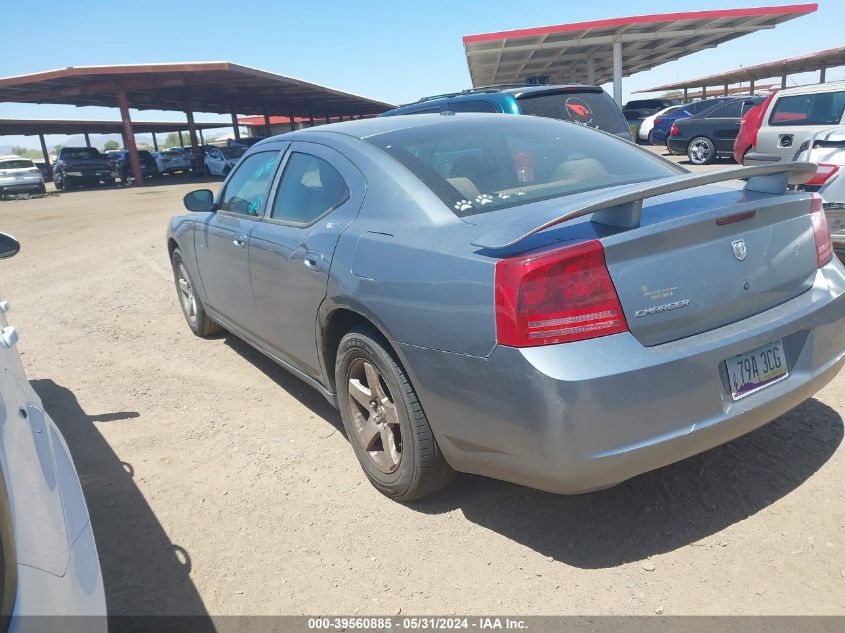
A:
(170, 162)
(220, 160)
(647, 124)
(584, 105)
(711, 133)
(642, 108)
(793, 116)
(827, 150)
(485, 293)
(123, 164)
(50, 564)
(78, 166)
(19, 175)
(663, 123)
(749, 125)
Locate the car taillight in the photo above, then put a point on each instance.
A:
(675, 131)
(824, 173)
(556, 296)
(658, 120)
(821, 232)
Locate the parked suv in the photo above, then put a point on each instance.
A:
(793, 116)
(149, 168)
(19, 175)
(82, 166)
(585, 105)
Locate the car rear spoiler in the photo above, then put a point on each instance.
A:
(623, 206)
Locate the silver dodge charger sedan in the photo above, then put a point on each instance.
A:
(517, 297)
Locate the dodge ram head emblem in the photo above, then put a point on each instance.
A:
(740, 250)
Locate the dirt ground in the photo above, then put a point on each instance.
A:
(219, 484)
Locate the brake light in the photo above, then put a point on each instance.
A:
(821, 232)
(556, 296)
(658, 120)
(674, 131)
(824, 173)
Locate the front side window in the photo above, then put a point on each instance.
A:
(246, 191)
(821, 108)
(310, 188)
(476, 164)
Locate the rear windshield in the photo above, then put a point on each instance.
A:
(81, 152)
(821, 108)
(478, 163)
(593, 109)
(16, 164)
(644, 103)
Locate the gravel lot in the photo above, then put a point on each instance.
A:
(217, 483)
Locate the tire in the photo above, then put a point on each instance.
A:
(59, 181)
(42, 189)
(192, 308)
(651, 140)
(701, 151)
(415, 467)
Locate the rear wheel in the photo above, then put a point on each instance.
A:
(384, 421)
(59, 181)
(192, 307)
(701, 151)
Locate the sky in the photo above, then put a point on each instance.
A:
(391, 51)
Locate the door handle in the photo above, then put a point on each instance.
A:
(240, 240)
(8, 337)
(312, 261)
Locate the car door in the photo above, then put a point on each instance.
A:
(215, 161)
(318, 194)
(222, 237)
(722, 125)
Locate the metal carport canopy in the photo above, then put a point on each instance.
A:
(604, 50)
(821, 61)
(221, 87)
(29, 127)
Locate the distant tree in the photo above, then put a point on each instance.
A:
(26, 152)
(673, 94)
(111, 145)
(171, 140)
(57, 148)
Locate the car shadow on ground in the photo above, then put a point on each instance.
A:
(654, 513)
(299, 389)
(144, 573)
(659, 511)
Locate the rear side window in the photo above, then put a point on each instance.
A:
(821, 108)
(593, 109)
(310, 188)
(477, 164)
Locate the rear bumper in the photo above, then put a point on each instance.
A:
(582, 416)
(677, 146)
(30, 186)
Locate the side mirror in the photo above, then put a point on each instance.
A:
(200, 200)
(9, 246)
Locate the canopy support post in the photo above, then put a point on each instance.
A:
(686, 94)
(46, 154)
(87, 140)
(822, 74)
(235, 127)
(268, 132)
(617, 71)
(155, 142)
(591, 71)
(129, 135)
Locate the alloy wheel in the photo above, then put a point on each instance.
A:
(374, 415)
(699, 152)
(186, 294)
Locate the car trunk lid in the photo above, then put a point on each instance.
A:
(703, 269)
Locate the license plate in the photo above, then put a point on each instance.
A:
(754, 370)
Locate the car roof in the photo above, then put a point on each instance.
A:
(365, 128)
(833, 86)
